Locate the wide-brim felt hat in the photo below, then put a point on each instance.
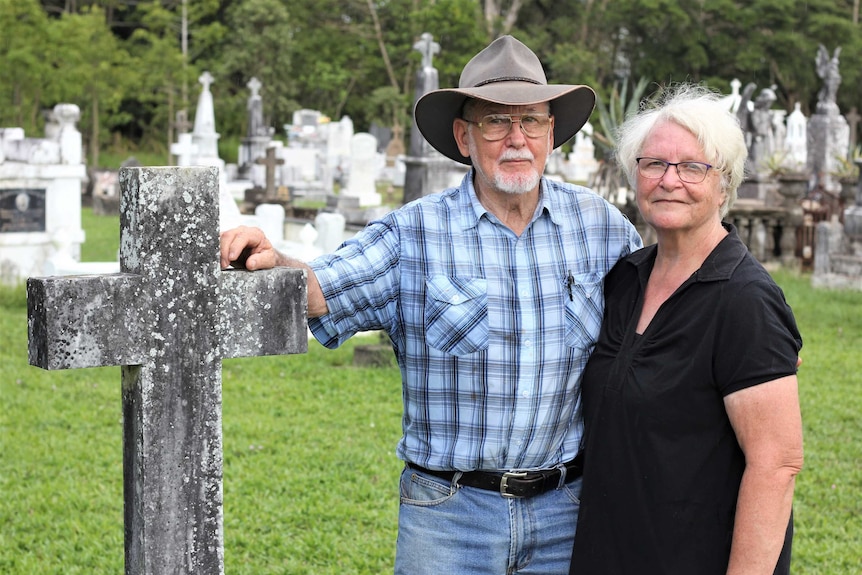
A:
(506, 72)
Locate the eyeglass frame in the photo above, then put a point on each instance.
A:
(674, 164)
(511, 117)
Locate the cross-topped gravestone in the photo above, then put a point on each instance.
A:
(254, 85)
(168, 319)
(206, 79)
(270, 162)
(428, 47)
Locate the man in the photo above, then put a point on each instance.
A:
(491, 294)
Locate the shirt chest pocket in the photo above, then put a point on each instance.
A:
(584, 311)
(456, 314)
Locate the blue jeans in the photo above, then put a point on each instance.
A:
(446, 528)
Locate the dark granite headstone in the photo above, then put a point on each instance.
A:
(22, 210)
(168, 319)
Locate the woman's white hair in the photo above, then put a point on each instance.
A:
(700, 111)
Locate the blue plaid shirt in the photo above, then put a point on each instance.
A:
(491, 331)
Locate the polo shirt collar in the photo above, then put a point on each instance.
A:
(719, 265)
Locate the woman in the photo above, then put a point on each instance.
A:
(693, 429)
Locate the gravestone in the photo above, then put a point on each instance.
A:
(420, 152)
(41, 180)
(200, 148)
(582, 159)
(828, 131)
(338, 138)
(362, 183)
(184, 149)
(269, 193)
(796, 140)
(258, 134)
(168, 319)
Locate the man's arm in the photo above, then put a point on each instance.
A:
(249, 248)
(768, 426)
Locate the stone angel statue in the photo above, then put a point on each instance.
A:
(827, 69)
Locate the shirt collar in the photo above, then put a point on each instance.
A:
(473, 210)
(719, 265)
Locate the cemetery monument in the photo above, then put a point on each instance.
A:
(828, 131)
(427, 171)
(168, 319)
(41, 180)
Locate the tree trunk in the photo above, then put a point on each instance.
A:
(378, 32)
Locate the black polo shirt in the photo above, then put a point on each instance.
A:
(663, 466)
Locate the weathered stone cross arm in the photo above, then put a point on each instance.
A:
(168, 319)
(96, 321)
(85, 321)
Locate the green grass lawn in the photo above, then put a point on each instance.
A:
(310, 477)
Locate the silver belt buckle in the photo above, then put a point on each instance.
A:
(504, 483)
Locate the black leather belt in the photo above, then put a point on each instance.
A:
(513, 483)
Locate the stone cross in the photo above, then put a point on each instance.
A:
(254, 85)
(168, 319)
(206, 79)
(428, 47)
(184, 149)
(270, 161)
(182, 121)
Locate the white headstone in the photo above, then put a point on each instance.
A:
(200, 148)
(184, 149)
(300, 164)
(796, 139)
(330, 231)
(204, 134)
(582, 160)
(363, 170)
(40, 196)
(270, 218)
(734, 99)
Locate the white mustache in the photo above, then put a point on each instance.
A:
(517, 155)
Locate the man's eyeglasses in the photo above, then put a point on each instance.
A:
(497, 126)
(688, 172)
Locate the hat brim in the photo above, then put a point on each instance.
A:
(435, 112)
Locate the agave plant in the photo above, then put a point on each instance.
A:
(608, 180)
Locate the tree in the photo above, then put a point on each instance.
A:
(356, 57)
(95, 72)
(25, 72)
(259, 46)
(501, 16)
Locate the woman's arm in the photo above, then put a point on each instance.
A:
(768, 426)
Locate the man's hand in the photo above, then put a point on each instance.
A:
(245, 247)
(248, 248)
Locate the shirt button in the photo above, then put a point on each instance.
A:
(525, 293)
(456, 299)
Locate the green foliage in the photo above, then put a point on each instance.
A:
(96, 68)
(259, 46)
(122, 62)
(614, 111)
(24, 50)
